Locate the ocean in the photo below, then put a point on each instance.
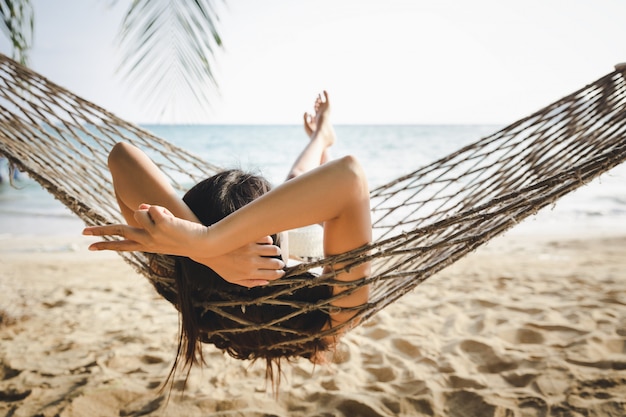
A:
(386, 152)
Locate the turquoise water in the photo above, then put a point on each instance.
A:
(386, 152)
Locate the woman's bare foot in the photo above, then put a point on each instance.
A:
(309, 125)
(318, 126)
(322, 136)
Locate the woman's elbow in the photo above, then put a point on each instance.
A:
(121, 152)
(355, 172)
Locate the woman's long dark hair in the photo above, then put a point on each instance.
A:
(211, 200)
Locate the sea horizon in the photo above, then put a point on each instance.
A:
(387, 151)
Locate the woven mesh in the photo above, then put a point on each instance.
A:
(423, 221)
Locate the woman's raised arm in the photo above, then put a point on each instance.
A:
(136, 179)
(335, 194)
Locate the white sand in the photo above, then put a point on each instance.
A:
(522, 327)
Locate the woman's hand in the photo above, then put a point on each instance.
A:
(160, 232)
(251, 265)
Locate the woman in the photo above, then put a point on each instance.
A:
(225, 224)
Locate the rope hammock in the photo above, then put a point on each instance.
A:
(422, 222)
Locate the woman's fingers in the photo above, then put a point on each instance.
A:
(266, 240)
(158, 213)
(265, 263)
(144, 218)
(270, 274)
(133, 237)
(267, 250)
(121, 230)
(265, 247)
(117, 245)
(148, 216)
(269, 269)
(263, 277)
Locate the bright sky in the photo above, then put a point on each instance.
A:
(391, 61)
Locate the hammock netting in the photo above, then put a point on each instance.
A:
(423, 221)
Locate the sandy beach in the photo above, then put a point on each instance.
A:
(525, 326)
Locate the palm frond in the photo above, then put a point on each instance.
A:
(18, 25)
(168, 52)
